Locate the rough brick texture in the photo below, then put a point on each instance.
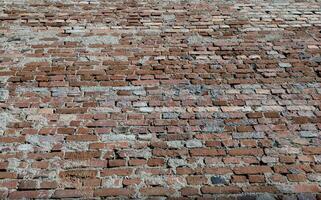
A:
(169, 99)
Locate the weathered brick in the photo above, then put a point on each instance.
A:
(196, 180)
(118, 192)
(311, 150)
(38, 194)
(78, 173)
(189, 191)
(73, 193)
(207, 152)
(252, 170)
(155, 162)
(244, 152)
(313, 188)
(118, 172)
(220, 189)
(156, 191)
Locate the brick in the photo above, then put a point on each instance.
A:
(278, 178)
(271, 115)
(301, 120)
(48, 185)
(296, 177)
(116, 163)
(134, 181)
(82, 155)
(287, 159)
(118, 172)
(239, 179)
(220, 189)
(189, 191)
(244, 152)
(207, 152)
(261, 189)
(244, 129)
(254, 115)
(155, 162)
(39, 194)
(70, 193)
(136, 162)
(256, 179)
(156, 191)
(311, 150)
(306, 188)
(78, 173)
(9, 184)
(196, 180)
(108, 192)
(252, 170)
(28, 184)
(102, 123)
(5, 175)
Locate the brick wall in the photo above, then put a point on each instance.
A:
(138, 99)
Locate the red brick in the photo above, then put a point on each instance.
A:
(252, 170)
(71, 193)
(133, 181)
(254, 115)
(82, 155)
(196, 180)
(287, 159)
(118, 192)
(155, 162)
(311, 150)
(189, 191)
(28, 184)
(92, 182)
(296, 177)
(3, 165)
(11, 175)
(271, 115)
(78, 173)
(48, 185)
(156, 191)
(207, 152)
(135, 162)
(256, 179)
(305, 187)
(301, 120)
(246, 152)
(65, 130)
(117, 171)
(81, 138)
(116, 163)
(245, 129)
(220, 189)
(39, 194)
(261, 189)
(239, 179)
(9, 184)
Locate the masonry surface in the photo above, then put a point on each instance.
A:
(160, 99)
